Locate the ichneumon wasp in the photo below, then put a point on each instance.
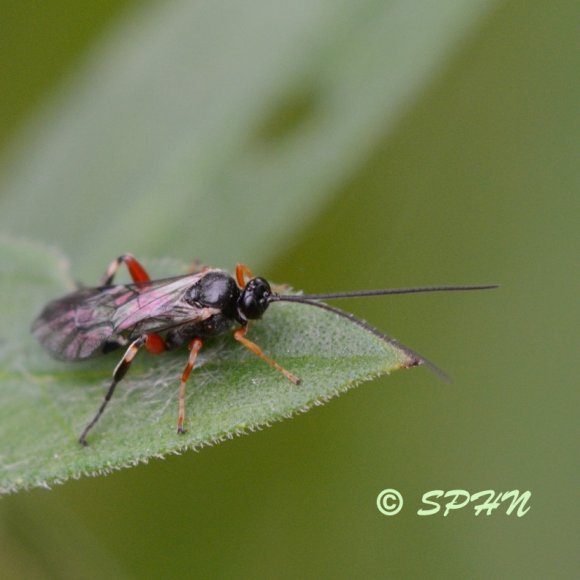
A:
(161, 315)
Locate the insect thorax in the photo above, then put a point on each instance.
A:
(214, 325)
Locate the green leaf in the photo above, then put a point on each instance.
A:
(44, 404)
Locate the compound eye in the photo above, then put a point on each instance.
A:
(255, 298)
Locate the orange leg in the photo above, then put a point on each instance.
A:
(243, 274)
(119, 372)
(151, 342)
(240, 336)
(194, 347)
(136, 271)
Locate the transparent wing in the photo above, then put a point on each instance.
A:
(79, 325)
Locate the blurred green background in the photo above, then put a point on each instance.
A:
(339, 145)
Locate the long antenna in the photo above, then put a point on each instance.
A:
(416, 358)
(386, 292)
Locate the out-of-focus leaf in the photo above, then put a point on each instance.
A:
(198, 127)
